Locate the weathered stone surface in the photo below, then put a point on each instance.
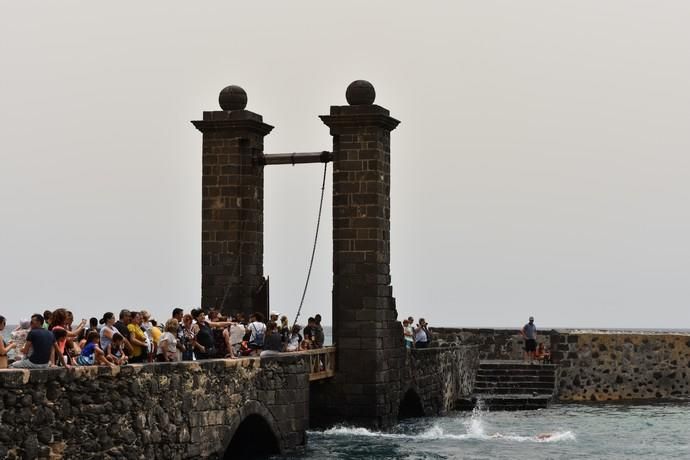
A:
(232, 204)
(617, 366)
(188, 409)
(595, 365)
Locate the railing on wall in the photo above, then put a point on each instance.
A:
(321, 363)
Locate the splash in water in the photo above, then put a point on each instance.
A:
(475, 429)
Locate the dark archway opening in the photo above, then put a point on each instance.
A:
(253, 439)
(410, 406)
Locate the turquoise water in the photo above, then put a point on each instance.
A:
(576, 431)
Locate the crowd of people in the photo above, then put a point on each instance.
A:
(417, 336)
(51, 339)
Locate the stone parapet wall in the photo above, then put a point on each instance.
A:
(491, 343)
(441, 376)
(622, 366)
(163, 410)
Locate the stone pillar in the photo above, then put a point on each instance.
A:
(232, 204)
(366, 332)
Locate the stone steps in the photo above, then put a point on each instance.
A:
(512, 385)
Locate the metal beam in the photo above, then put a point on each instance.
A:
(295, 158)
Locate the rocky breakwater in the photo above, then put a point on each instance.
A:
(609, 365)
(154, 411)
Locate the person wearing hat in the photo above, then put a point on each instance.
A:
(529, 332)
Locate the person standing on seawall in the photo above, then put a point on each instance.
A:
(529, 332)
(421, 334)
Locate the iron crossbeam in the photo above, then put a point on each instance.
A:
(295, 158)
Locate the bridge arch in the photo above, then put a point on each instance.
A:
(410, 405)
(253, 432)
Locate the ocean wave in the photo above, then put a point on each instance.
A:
(435, 432)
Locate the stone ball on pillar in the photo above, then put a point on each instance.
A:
(232, 98)
(360, 92)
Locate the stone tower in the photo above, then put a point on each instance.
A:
(365, 328)
(232, 204)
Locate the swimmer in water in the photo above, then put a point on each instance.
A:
(538, 437)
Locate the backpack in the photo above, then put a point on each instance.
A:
(258, 337)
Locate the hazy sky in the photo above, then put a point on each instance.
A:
(541, 167)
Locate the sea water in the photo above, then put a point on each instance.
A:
(568, 431)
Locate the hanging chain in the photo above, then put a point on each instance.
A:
(313, 249)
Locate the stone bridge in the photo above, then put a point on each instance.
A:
(200, 409)
(229, 408)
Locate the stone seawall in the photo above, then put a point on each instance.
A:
(619, 366)
(441, 376)
(431, 382)
(491, 343)
(153, 411)
(596, 365)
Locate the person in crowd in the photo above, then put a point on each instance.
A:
(115, 350)
(92, 354)
(4, 347)
(188, 338)
(83, 335)
(257, 331)
(167, 345)
(178, 314)
(121, 325)
(422, 335)
(309, 331)
(284, 329)
(295, 340)
(274, 317)
(137, 339)
(408, 333)
(318, 335)
(203, 330)
(73, 334)
(273, 343)
(62, 355)
(18, 336)
(155, 335)
(529, 332)
(47, 317)
(108, 330)
(234, 336)
(39, 346)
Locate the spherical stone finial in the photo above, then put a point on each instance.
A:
(360, 92)
(232, 98)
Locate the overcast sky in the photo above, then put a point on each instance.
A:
(541, 167)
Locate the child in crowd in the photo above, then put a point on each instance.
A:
(92, 354)
(542, 354)
(114, 351)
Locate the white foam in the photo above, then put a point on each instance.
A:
(474, 426)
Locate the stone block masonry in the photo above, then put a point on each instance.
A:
(595, 365)
(365, 327)
(232, 205)
(154, 411)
